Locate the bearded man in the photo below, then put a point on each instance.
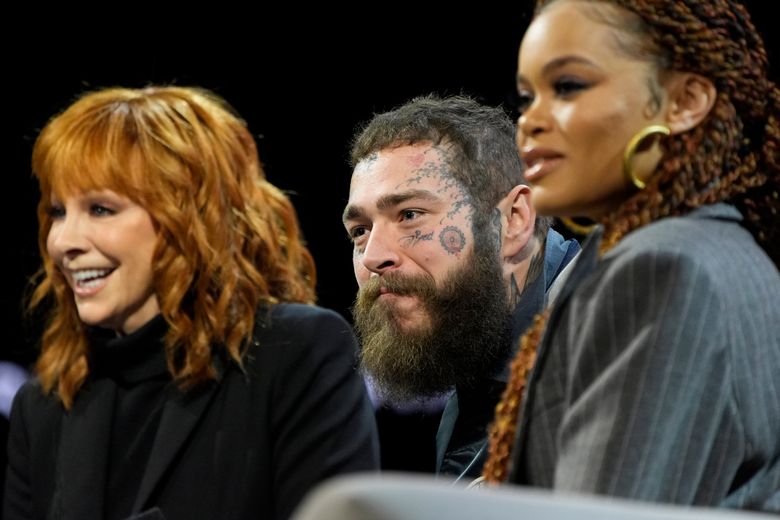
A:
(451, 262)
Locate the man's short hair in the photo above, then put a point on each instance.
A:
(481, 140)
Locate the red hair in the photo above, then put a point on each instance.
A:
(227, 239)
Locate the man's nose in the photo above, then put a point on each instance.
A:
(381, 252)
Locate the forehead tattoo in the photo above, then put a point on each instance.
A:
(438, 168)
(369, 160)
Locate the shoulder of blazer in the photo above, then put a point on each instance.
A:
(295, 322)
(293, 330)
(39, 416)
(686, 234)
(32, 401)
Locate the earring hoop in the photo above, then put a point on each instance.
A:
(579, 229)
(631, 149)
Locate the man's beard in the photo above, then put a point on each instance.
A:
(465, 339)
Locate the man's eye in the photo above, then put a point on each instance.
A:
(356, 232)
(409, 214)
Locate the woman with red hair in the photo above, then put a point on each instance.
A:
(183, 369)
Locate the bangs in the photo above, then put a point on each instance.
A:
(89, 151)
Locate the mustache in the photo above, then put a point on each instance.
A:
(421, 285)
(462, 337)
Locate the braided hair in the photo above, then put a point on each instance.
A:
(732, 156)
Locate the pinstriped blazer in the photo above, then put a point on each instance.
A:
(659, 375)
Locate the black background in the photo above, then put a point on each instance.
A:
(302, 78)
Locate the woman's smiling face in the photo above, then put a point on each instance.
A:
(103, 244)
(582, 99)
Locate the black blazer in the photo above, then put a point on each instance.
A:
(248, 445)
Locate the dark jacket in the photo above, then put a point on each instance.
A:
(248, 445)
(461, 442)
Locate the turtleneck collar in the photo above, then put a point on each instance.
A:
(132, 358)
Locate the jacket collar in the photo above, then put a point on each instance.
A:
(86, 433)
(179, 418)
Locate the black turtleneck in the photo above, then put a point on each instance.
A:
(136, 366)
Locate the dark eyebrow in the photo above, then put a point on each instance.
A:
(352, 211)
(558, 63)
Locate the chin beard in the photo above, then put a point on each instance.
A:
(466, 337)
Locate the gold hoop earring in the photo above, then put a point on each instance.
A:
(631, 148)
(579, 229)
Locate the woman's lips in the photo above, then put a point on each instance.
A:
(539, 162)
(541, 168)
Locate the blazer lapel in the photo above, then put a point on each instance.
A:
(180, 416)
(584, 264)
(86, 433)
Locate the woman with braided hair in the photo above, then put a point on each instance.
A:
(656, 374)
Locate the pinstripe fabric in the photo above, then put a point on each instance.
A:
(659, 376)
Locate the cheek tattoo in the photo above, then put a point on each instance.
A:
(452, 239)
(411, 240)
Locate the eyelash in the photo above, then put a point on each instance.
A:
(569, 86)
(100, 211)
(353, 233)
(564, 88)
(97, 210)
(56, 212)
(405, 215)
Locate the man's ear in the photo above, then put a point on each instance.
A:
(691, 97)
(517, 223)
